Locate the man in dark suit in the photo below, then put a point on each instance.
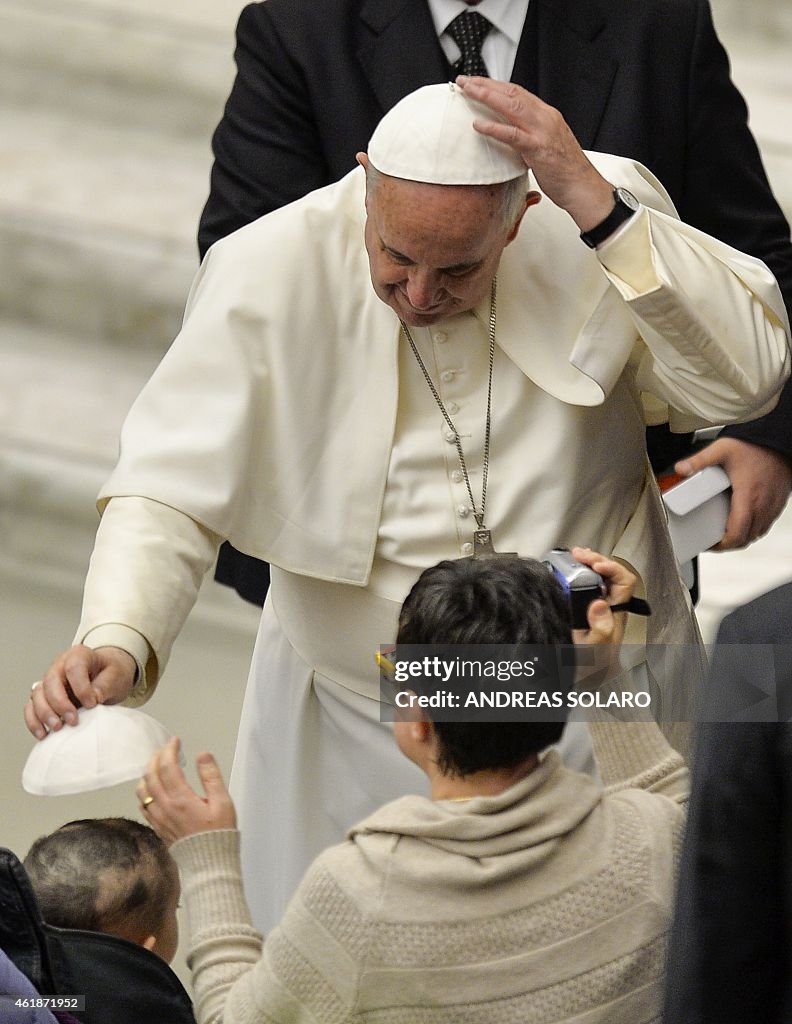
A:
(730, 959)
(647, 80)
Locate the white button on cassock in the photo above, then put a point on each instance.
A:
(467, 548)
(446, 376)
(463, 511)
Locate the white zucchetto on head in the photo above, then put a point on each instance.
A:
(109, 744)
(429, 136)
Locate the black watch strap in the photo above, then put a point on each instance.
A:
(625, 205)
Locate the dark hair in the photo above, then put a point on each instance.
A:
(110, 875)
(487, 601)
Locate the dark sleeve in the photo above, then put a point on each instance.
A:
(728, 195)
(771, 431)
(267, 149)
(729, 958)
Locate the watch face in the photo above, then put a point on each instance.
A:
(627, 198)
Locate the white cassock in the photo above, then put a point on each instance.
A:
(289, 418)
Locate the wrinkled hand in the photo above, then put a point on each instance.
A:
(80, 677)
(761, 481)
(175, 810)
(545, 142)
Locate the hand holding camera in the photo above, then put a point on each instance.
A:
(584, 582)
(601, 591)
(605, 613)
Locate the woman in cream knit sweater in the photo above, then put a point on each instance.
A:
(519, 892)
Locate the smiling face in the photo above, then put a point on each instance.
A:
(434, 249)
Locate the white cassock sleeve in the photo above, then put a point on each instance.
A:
(139, 602)
(689, 309)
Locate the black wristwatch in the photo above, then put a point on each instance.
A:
(625, 206)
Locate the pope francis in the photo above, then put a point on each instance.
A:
(443, 353)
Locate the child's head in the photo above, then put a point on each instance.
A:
(487, 601)
(109, 875)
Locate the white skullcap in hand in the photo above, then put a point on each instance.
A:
(109, 744)
(429, 136)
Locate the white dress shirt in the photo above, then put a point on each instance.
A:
(500, 44)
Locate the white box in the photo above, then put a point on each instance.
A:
(697, 510)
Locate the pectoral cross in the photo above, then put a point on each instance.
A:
(482, 546)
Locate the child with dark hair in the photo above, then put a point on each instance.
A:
(498, 601)
(519, 891)
(109, 875)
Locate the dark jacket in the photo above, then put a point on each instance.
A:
(730, 960)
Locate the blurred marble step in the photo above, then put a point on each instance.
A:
(763, 73)
(97, 226)
(147, 63)
(765, 22)
(62, 403)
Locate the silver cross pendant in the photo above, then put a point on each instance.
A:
(482, 546)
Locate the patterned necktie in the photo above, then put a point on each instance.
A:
(468, 31)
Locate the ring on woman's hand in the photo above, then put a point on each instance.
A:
(147, 801)
(35, 685)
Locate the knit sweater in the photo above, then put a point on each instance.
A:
(549, 902)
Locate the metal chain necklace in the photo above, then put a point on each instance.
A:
(482, 538)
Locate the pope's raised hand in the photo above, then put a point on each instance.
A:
(545, 142)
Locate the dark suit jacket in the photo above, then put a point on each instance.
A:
(647, 79)
(730, 959)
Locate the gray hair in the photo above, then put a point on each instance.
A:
(513, 192)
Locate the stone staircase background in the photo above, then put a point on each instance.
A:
(107, 109)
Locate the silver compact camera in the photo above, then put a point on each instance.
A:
(580, 583)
